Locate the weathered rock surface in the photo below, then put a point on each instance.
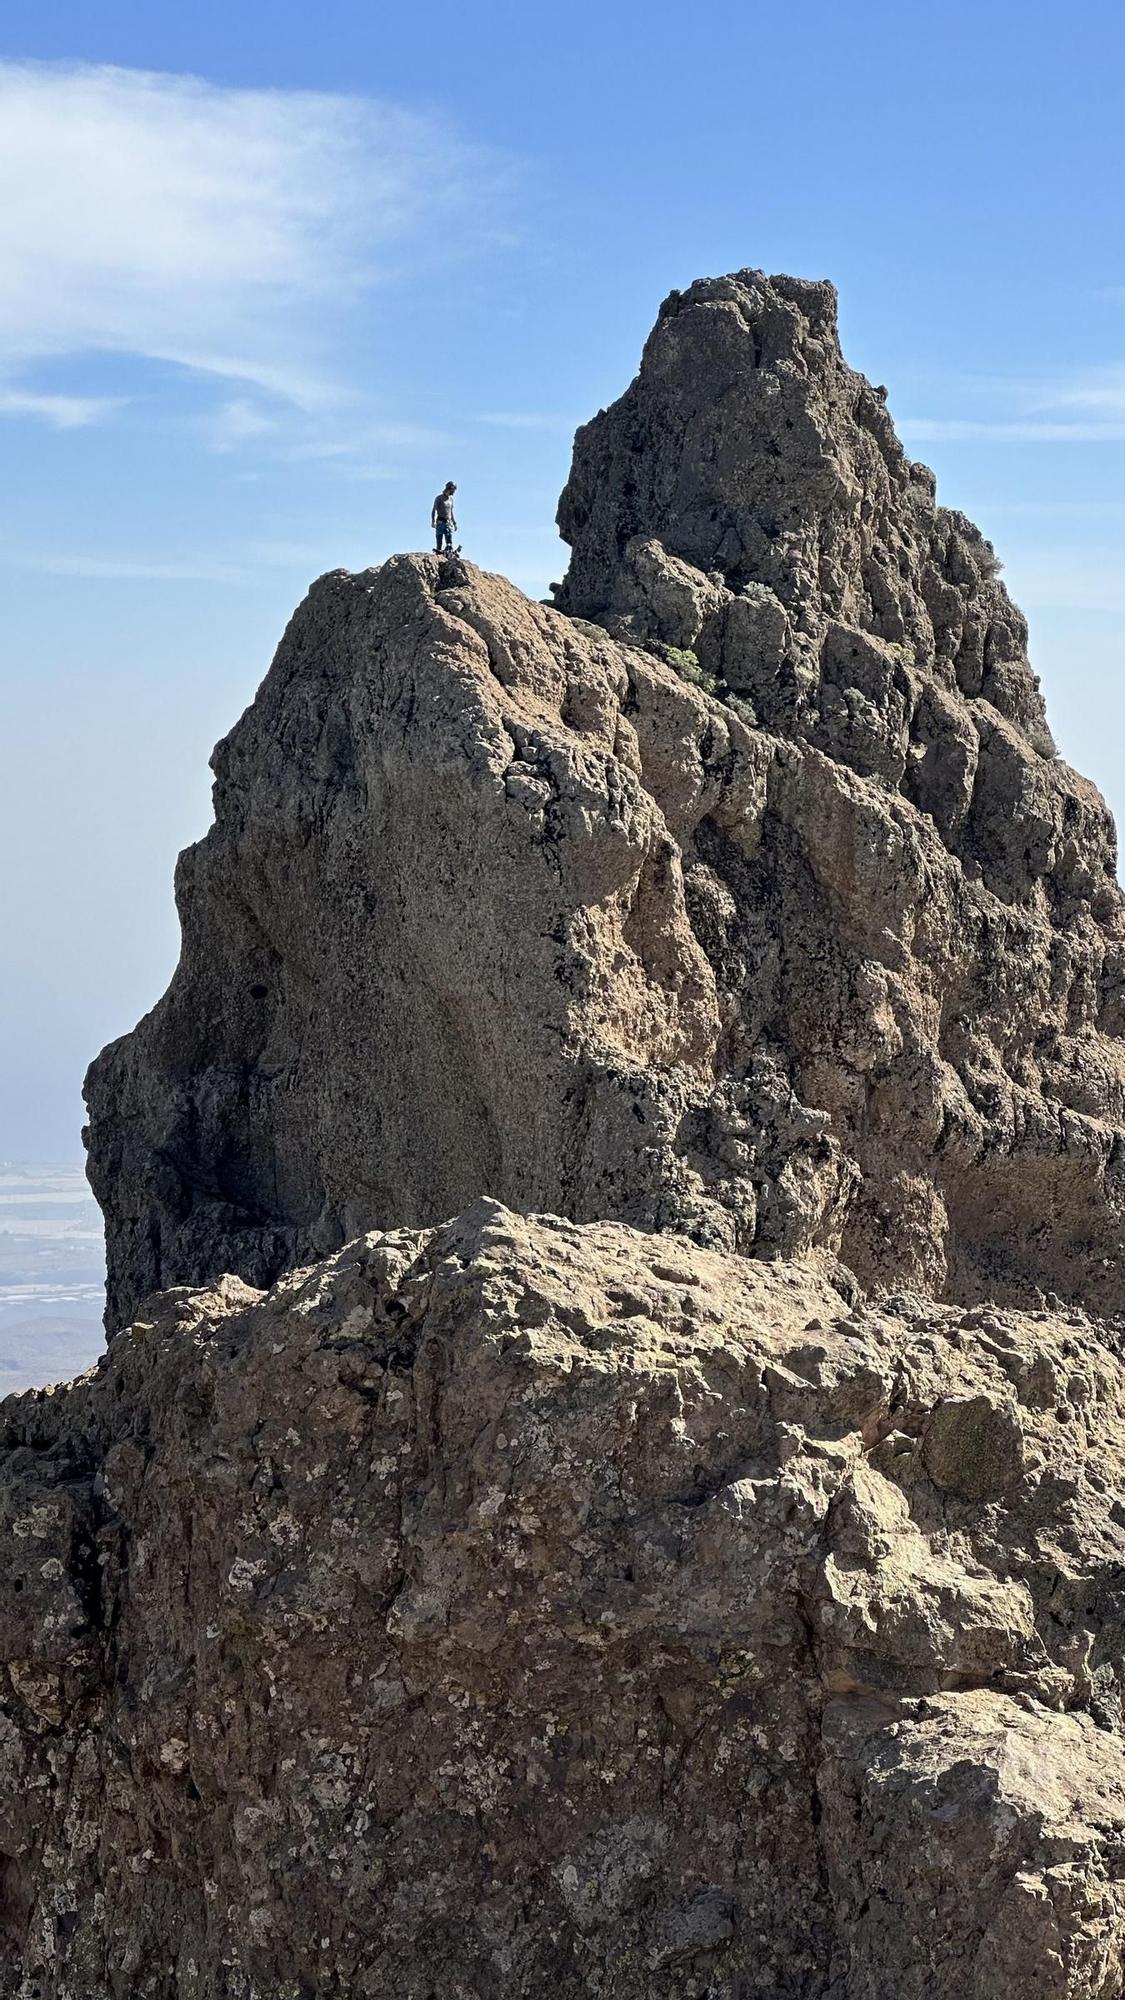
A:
(495, 903)
(712, 1588)
(748, 495)
(520, 1607)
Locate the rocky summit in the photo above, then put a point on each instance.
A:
(743, 896)
(695, 1570)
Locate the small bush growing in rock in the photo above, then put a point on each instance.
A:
(687, 666)
(744, 709)
(1040, 739)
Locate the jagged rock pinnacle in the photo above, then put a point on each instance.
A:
(758, 910)
(529, 1603)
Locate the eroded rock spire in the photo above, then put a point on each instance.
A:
(527, 1603)
(742, 896)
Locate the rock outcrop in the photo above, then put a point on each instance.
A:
(523, 1607)
(710, 1589)
(758, 911)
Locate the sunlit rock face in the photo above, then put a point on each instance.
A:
(694, 1571)
(525, 1607)
(742, 897)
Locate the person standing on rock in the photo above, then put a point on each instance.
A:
(442, 518)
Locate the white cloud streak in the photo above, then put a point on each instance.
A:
(1086, 408)
(112, 569)
(237, 422)
(962, 430)
(250, 561)
(64, 413)
(527, 420)
(226, 231)
(1102, 390)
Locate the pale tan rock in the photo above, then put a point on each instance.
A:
(988, 1836)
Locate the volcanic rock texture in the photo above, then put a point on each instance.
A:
(697, 1572)
(817, 951)
(524, 1608)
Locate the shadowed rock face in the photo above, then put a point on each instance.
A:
(522, 1608)
(748, 498)
(749, 465)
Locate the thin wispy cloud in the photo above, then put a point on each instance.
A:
(300, 437)
(63, 413)
(961, 430)
(1084, 406)
(247, 563)
(1079, 579)
(117, 569)
(366, 439)
(226, 231)
(527, 420)
(237, 422)
(1055, 510)
(1102, 390)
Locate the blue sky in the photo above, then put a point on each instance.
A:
(269, 274)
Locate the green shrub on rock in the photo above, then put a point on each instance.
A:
(686, 664)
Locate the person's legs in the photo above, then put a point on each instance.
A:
(444, 536)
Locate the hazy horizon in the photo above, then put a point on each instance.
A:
(52, 1273)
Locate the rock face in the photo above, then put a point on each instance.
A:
(521, 1607)
(759, 910)
(710, 1589)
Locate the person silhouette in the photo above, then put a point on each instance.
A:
(442, 518)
